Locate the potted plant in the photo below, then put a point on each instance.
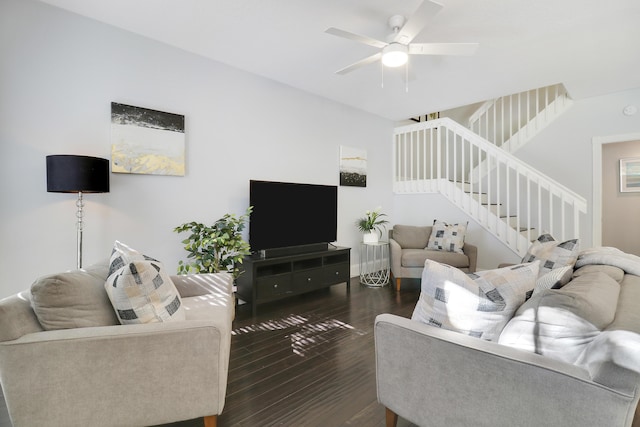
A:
(216, 248)
(372, 225)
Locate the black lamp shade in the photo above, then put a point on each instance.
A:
(73, 174)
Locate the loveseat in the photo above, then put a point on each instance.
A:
(568, 357)
(408, 252)
(79, 374)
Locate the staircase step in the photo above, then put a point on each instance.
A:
(481, 197)
(534, 233)
(465, 186)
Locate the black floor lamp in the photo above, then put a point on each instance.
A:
(77, 174)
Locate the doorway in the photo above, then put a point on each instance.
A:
(616, 214)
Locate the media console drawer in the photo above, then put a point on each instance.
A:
(271, 286)
(272, 278)
(336, 273)
(308, 280)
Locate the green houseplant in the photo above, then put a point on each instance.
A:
(371, 223)
(216, 248)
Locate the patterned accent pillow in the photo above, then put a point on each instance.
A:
(555, 279)
(121, 255)
(552, 254)
(447, 237)
(142, 292)
(479, 304)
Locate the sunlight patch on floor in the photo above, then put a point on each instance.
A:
(308, 330)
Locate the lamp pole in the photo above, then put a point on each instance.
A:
(80, 205)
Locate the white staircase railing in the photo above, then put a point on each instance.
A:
(513, 201)
(513, 120)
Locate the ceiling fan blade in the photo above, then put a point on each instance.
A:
(460, 49)
(366, 61)
(355, 37)
(417, 21)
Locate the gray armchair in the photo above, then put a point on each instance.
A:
(120, 375)
(407, 245)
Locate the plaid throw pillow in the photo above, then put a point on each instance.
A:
(552, 254)
(121, 255)
(555, 279)
(142, 292)
(447, 237)
(479, 304)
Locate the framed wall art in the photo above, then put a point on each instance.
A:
(145, 141)
(353, 167)
(630, 175)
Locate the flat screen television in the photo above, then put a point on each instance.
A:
(289, 214)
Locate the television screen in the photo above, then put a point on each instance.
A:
(288, 214)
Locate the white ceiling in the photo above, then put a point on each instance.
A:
(593, 47)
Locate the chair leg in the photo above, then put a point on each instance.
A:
(397, 284)
(392, 418)
(211, 421)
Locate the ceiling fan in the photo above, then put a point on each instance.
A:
(396, 50)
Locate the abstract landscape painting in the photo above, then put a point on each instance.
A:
(630, 175)
(145, 141)
(353, 167)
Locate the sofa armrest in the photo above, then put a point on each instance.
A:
(17, 317)
(395, 254)
(117, 375)
(472, 252)
(432, 376)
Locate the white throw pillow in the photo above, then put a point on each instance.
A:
(447, 237)
(552, 254)
(121, 255)
(555, 279)
(142, 292)
(478, 304)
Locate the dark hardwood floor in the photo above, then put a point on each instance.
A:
(307, 360)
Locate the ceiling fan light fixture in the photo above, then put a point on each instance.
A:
(395, 55)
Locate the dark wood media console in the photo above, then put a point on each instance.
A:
(273, 278)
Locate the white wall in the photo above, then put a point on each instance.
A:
(59, 72)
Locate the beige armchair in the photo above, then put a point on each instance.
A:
(407, 251)
(119, 375)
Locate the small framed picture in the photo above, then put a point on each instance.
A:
(630, 175)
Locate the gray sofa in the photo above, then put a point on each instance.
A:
(407, 251)
(119, 375)
(440, 378)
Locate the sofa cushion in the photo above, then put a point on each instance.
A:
(411, 236)
(417, 257)
(477, 304)
(447, 237)
(612, 360)
(615, 273)
(142, 292)
(552, 254)
(121, 255)
(73, 299)
(561, 323)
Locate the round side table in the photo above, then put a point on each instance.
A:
(374, 264)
